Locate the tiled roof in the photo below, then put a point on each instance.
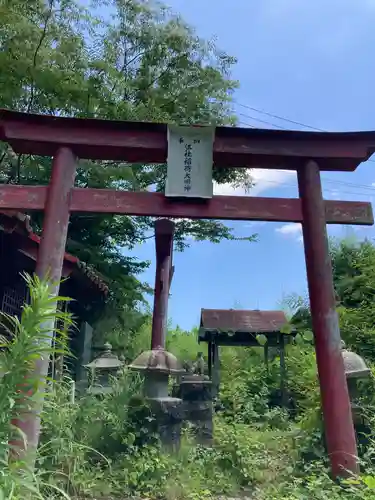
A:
(14, 221)
(242, 321)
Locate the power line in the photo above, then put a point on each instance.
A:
(246, 124)
(262, 121)
(278, 117)
(334, 191)
(350, 184)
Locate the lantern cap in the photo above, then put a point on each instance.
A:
(107, 360)
(157, 360)
(355, 365)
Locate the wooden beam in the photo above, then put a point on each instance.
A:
(272, 342)
(156, 204)
(147, 142)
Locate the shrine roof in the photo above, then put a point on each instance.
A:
(240, 328)
(147, 142)
(13, 221)
(251, 321)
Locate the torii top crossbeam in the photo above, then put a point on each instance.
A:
(147, 142)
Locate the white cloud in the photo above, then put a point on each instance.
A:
(269, 179)
(254, 223)
(333, 193)
(264, 179)
(292, 229)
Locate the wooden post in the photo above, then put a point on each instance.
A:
(49, 266)
(209, 358)
(215, 369)
(266, 357)
(339, 430)
(164, 230)
(282, 370)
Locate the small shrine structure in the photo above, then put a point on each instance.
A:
(233, 327)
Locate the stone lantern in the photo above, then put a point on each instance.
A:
(102, 368)
(355, 369)
(158, 365)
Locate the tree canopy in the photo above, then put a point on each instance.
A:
(114, 59)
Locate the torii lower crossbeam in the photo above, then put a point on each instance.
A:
(157, 205)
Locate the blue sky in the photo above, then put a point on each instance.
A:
(312, 62)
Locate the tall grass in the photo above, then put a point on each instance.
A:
(23, 342)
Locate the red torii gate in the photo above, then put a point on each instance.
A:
(306, 152)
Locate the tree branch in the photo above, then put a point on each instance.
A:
(38, 47)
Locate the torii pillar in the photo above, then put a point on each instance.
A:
(158, 364)
(164, 231)
(338, 421)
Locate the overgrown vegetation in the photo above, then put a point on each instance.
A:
(107, 447)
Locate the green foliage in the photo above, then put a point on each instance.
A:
(107, 446)
(139, 62)
(353, 265)
(21, 391)
(184, 345)
(354, 274)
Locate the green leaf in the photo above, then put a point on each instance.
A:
(261, 339)
(369, 481)
(286, 329)
(308, 335)
(298, 339)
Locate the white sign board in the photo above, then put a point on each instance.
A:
(190, 159)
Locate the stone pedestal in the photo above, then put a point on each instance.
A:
(169, 414)
(196, 393)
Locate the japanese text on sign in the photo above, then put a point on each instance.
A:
(190, 162)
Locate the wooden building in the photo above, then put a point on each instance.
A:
(18, 253)
(232, 327)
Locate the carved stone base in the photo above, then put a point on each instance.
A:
(169, 413)
(196, 392)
